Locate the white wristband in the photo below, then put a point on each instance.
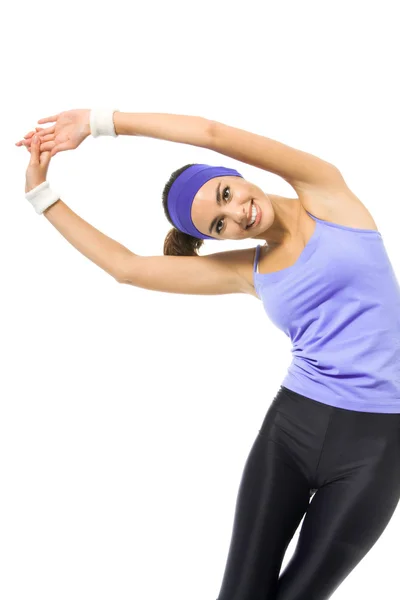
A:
(101, 121)
(41, 197)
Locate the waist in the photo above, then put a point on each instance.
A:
(351, 385)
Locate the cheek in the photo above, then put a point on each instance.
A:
(258, 194)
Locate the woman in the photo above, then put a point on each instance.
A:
(325, 279)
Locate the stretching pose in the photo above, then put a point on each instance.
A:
(332, 432)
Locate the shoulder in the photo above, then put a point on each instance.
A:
(339, 205)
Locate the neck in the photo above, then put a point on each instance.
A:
(285, 226)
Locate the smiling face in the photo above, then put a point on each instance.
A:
(222, 208)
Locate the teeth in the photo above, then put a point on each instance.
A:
(253, 215)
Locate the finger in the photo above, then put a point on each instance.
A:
(26, 140)
(45, 159)
(35, 152)
(46, 138)
(28, 136)
(25, 143)
(49, 119)
(40, 131)
(61, 148)
(47, 146)
(46, 130)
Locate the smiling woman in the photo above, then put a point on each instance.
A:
(335, 296)
(225, 207)
(219, 205)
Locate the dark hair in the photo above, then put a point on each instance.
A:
(178, 243)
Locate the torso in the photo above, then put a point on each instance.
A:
(349, 212)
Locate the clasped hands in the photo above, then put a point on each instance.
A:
(70, 129)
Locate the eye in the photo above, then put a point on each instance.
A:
(225, 198)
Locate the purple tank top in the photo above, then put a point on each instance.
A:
(340, 306)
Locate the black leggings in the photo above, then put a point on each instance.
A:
(351, 460)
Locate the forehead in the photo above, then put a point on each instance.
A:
(207, 192)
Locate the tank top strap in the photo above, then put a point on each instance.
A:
(257, 255)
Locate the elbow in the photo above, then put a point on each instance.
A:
(123, 267)
(119, 271)
(120, 277)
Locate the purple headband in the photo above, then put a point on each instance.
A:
(183, 191)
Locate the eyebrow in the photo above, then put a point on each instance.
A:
(218, 201)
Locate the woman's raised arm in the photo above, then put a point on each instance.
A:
(302, 170)
(195, 131)
(305, 172)
(106, 253)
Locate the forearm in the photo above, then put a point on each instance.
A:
(195, 131)
(105, 252)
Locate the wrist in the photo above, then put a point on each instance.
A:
(101, 122)
(86, 127)
(41, 197)
(36, 184)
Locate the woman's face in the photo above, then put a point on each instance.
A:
(222, 208)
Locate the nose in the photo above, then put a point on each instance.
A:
(242, 214)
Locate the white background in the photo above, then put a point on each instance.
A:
(127, 415)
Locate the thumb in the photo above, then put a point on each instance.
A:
(44, 159)
(35, 149)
